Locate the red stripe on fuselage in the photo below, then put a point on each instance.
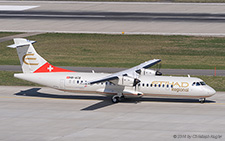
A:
(46, 68)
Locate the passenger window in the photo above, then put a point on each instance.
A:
(146, 85)
(155, 85)
(159, 85)
(139, 84)
(151, 85)
(171, 86)
(77, 81)
(143, 84)
(167, 86)
(163, 85)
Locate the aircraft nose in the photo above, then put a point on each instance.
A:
(210, 91)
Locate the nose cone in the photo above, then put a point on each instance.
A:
(210, 91)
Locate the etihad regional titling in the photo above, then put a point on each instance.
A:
(137, 81)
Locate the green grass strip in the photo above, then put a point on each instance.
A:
(99, 50)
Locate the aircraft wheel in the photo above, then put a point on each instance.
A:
(202, 100)
(115, 99)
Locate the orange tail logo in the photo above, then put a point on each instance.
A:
(24, 59)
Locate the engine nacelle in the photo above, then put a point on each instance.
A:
(126, 81)
(146, 72)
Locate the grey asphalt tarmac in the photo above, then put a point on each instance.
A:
(113, 70)
(115, 18)
(40, 113)
(30, 113)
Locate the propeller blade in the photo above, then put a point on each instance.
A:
(136, 81)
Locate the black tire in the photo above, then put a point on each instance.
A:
(202, 100)
(115, 99)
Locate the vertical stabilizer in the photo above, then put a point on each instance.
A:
(30, 60)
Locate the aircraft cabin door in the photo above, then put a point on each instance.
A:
(62, 84)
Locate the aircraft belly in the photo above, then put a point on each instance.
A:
(99, 89)
(175, 96)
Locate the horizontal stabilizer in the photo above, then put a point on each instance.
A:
(21, 42)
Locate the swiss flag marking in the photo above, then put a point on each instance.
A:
(49, 68)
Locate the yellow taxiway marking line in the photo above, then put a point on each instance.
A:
(93, 99)
(181, 102)
(216, 103)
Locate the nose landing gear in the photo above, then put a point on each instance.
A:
(202, 100)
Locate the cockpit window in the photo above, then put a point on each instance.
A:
(198, 84)
(202, 83)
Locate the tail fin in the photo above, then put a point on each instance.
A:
(30, 60)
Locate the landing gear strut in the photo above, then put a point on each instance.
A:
(202, 100)
(117, 98)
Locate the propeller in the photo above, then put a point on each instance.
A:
(136, 82)
(158, 70)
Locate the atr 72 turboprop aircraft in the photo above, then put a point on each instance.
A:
(134, 82)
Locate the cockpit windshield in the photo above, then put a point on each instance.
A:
(202, 83)
(198, 83)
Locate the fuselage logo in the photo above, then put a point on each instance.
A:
(27, 59)
(175, 86)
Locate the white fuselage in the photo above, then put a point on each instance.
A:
(153, 86)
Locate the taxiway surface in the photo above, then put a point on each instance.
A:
(29, 113)
(113, 17)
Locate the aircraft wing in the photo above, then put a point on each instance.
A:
(128, 72)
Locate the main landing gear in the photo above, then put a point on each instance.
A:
(117, 98)
(202, 100)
